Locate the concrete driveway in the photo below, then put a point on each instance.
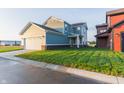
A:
(14, 72)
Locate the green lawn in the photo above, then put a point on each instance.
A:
(9, 48)
(92, 59)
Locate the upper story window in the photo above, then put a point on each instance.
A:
(78, 28)
(101, 31)
(66, 27)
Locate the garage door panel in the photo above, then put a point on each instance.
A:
(33, 43)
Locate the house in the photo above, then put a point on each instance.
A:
(111, 34)
(9, 43)
(54, 33)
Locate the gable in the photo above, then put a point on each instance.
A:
(33, 31)
(54, 22)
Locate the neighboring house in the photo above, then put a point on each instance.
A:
(9, 43)
(111, 34)
(54, 33)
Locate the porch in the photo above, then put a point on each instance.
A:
(75, 40)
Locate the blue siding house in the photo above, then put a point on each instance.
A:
(54, 33)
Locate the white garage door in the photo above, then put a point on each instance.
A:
(33, 43)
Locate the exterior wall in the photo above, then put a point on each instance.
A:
(102, 42)
(101, 29)
(117, 37)
(56, 24)
(34, 31)
(116, 31)
(67, 29)
(76, 29)
(84, 34)
(82, 31)
(115, 19)
(56, 39)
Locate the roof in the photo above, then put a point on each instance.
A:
(114, 12)
(52, 17)
(47, 28)
(41, 26)
(55, 18)
(104, 34)
(25, 28)
(81, 23)
(102, 25)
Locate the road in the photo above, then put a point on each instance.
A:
(13, 72)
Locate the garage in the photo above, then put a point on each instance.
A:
(33, 37)
(33, 43)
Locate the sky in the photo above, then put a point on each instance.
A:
(12, 21)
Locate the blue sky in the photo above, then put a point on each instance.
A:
(12, 21)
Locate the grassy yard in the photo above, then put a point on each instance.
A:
(9, 48)
(92, 59)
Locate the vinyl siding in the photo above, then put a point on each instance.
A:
(55, 24)
(67, 29)
(35, 32)
(52, 38)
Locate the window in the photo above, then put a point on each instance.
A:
(78, 28)
(101, 31)
(66, 27)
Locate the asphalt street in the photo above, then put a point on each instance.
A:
(12, 72)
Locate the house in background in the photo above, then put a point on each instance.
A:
(111, 34)
(9, 43)
(54, 33)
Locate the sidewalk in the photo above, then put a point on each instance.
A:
(82, 73)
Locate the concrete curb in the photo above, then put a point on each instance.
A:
(82, 73)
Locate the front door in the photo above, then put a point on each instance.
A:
(122, 42)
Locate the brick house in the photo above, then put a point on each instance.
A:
(111, 34)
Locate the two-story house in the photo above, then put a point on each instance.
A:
(54, 33)
(111, 34)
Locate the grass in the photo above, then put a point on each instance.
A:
(92, 59)
(9, 48)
